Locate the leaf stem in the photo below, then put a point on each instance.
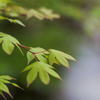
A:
(24, 46)
(42, 51)
(27, 49)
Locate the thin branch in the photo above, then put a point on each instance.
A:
(41, 51)
(25, 47)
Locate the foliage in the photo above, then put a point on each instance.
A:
(4, 79)
(44, 58)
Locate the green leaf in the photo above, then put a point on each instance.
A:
(67, 56)
(29, 67)
(39, 55)
(2, 34)
(19, 48)
(43, 69)
(7, 77)
(48, 13)
(1, 39)
(30, 57)
(51, 58)
(7, 45)
(56, 62)
(14, 14)
(48, 69)
(2, 95)
(4, 79)
(41, 58)
(16, 42)
(12, 20)
(43, 75)
(35, 13)
(62, 60)
(61, 57)
(32, 75)
(14, 84)
(18, 22)
(4, 88)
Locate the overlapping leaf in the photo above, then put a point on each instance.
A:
(12, 20)
(60, 56)
(35, 13)
(48, 13)
(16, 11)
(42, 13)
(4, 79)
(43, 69)
(8, 43)
(39, 55)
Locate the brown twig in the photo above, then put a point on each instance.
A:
(27, 49)
(41, 51)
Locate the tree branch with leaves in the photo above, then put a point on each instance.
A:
(44, 59)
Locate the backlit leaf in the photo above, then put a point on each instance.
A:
(41, 58)
(51, 58)
(61, 57)
(29, 67)
(7, 45)
(39, 54)
(67, 56)
(43, 69)
(43, 75)
(14, 84)
(62, 60)
(2, 95)
(1, 39)
(2, 34)
(35, 13)
(4, 79)
(30, 57)
(4, 88)
(7, 77)
(12, 20)
(48, 13)
(18, 22)
(48, 69)
(32, 75)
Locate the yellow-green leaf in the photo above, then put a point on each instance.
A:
(4, 88)
(51, 58)
(35, 13)
(1, 39)
(14, 84)
(7, 45)
(32, 75)
(43, 75)
(7, 77)
(30, 57)
(62, 60)
(2, 95)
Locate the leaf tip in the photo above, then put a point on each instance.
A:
(70, 69)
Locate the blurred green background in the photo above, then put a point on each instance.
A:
(79, 25)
